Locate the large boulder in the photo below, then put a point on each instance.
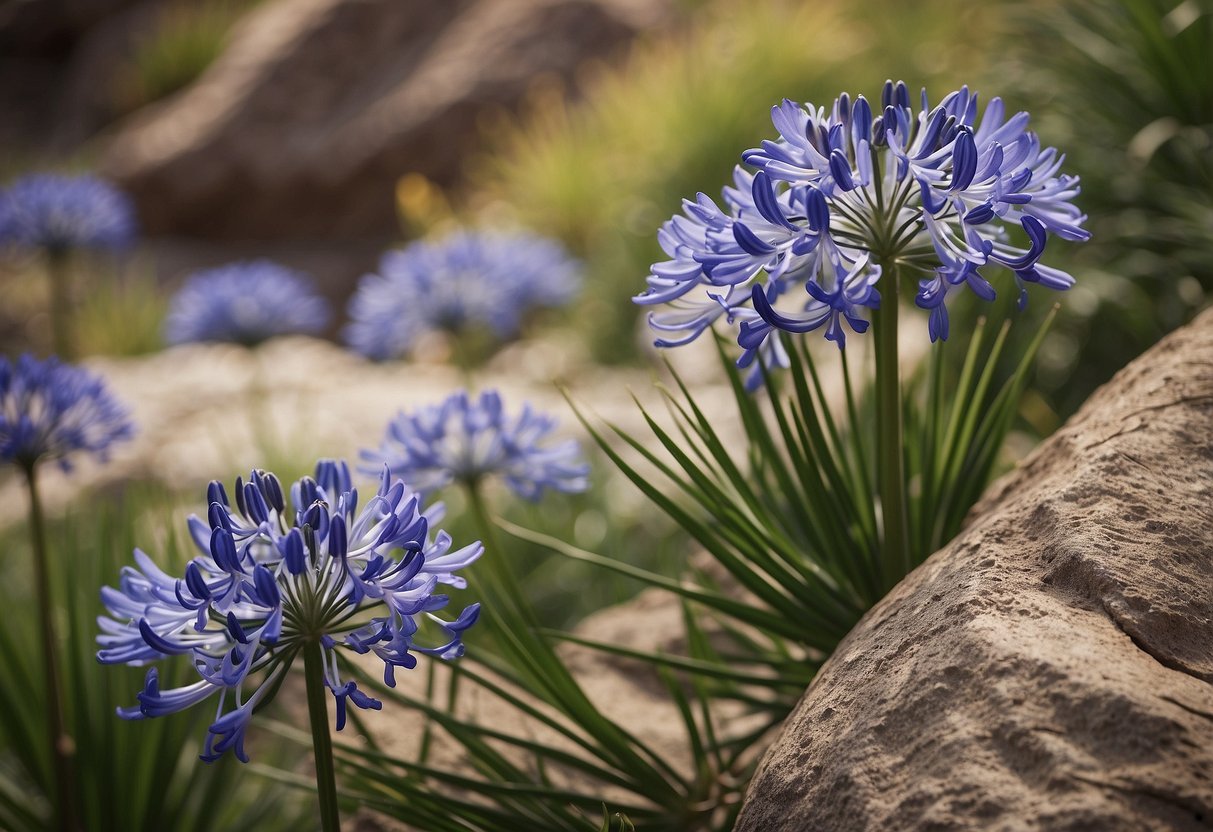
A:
(317, 107)
(1051, 668)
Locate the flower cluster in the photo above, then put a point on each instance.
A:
(843, 196)
(245, 303)
(270, 578)
(56, 212)
(50, 410)
(466, 280)
(465, 439)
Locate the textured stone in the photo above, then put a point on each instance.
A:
(1050, 669)
(303, 126)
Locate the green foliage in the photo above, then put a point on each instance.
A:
(132, 775)
(794, 518)
(603, 174)
(563, 591)
(791, 525)
(1127, 89)
(116, 308)
(121, 312)
(617, 821)
(511, 779)
(186, 38)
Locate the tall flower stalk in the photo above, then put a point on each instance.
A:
(825, 227)
(889, 451)
(322, 741)
(55, 215)
(59, 740)
(58, 273)
(51, 411)
(273, 580)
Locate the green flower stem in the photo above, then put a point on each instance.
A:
(508, 590)
(488, 532)
(322, 740)
(59, 276)
(260, 393)
(62, 791)
(895, 556)
(462, 353)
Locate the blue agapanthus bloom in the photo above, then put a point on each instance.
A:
(52, 411)
(802, 238)
(58, 212)
(467, 280)
(465, 439)
(270, 576)
(245, 303)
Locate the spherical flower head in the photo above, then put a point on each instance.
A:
(842, 198)
(272, 575)
(56, 212)
(53, 411)
(465, 440)
(465, 281)
(245, 303)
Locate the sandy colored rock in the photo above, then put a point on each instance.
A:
(1050, 669)
(305, 123)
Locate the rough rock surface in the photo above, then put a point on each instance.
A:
(319, 106)
(1050, 669)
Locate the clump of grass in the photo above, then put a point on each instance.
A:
(117, 308)
(120, 314)
(185, 40)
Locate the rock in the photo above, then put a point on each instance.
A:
(303, 126)
(201, 412)
(1049, 669)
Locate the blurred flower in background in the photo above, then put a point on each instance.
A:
(55, 215)
(50, 411)
(245, 303)
(57, 212)
(464, 283)
(465, 440)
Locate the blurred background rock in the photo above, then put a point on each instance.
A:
(281, 127)
(319, 132)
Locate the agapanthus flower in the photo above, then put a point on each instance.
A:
(52, 411)
(271, 576)
(245, 303)
(467, 280)
(465, 439)
(817, 217)
(58, 212)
